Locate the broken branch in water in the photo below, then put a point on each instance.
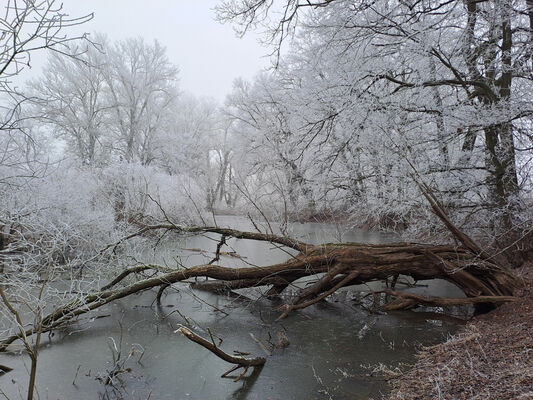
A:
(240, 362)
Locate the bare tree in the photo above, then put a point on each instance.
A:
(142, 88)
(442, 84)
(266, 125)
(70, 97)
(26, 27)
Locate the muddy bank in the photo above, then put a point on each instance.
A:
(490, 358)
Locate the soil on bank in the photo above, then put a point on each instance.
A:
(491, 358)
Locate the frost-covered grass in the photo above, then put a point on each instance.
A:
(489, 359)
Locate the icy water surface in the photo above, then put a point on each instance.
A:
(333, 346)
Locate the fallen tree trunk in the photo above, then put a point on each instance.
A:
(337, 265)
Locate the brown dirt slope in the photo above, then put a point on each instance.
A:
(490, 359)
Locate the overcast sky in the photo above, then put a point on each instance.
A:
(208, 54)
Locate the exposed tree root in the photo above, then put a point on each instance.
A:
(337, 266)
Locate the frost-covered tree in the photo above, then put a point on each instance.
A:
(142, 87)
(28, 27)
(110, 101)
(26, 248)
(196, 146)
(435, 90)
(70, 97)
(191, 134)
(119, 103)
(265, 129)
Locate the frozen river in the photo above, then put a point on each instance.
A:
(334, 345)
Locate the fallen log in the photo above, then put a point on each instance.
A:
(335, 265)
(240, 362)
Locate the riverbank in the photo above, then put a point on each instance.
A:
(491, 358)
